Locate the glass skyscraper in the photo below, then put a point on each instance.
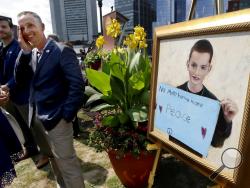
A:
(234, 5)
(244, 4)
(153, 13)
(126, 8)
(205, 8)
(139, 12)
(180, 11)
(74, 20)
(171, 11)
(164, 12)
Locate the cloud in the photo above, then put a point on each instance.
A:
(41, 7)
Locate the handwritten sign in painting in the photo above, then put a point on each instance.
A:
(187, 117)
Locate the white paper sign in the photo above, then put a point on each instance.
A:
(187, 117)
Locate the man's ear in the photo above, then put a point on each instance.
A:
(210, 67)
(43, 26)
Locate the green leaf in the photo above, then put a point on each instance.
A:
(99, 80)
(131, 53)
(106, 68)
(117, 87)
(134, 62)
(145, 97)
(141, 63)
(101, 107)
(93, 98)
(110, 100)
(138, 114)
(147, 71)
(90, 91)
(136, 81)
(83, 116)
(110, 121)
(123, 118)
(117, 66)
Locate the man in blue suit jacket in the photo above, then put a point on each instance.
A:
(57, 91)
(19, 94)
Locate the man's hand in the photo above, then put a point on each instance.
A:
(4, 97)
(24, 44)
(229, 108)
(5, 88)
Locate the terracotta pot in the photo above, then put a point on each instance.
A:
(132, 171)
(96, 65)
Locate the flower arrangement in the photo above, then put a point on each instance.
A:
(91, 58)
(95, 56)
(122, 85)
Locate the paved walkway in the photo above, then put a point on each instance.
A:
(172, 173)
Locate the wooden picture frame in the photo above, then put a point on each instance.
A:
(230, 76)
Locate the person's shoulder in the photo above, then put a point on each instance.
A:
(16, 45)
(62, 47)
(15, 42)
(53, 43)
(14, 48)
(209, 94)
(55, 47)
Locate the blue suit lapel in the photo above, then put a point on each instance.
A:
(8, 60)
(44, 57)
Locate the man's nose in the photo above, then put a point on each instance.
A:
(197, 71)
(26, 30)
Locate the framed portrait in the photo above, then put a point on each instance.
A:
(200, 95)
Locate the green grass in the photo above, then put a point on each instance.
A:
(114, 182)
(98, 172)
(96, 167)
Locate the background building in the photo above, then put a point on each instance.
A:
(126, 8)
(180, 11)
(107, 20)
(234, 5)
(164, 12)
(171, 11)
(139, 12)
(244, 4)
(74, 20)
(205, 8)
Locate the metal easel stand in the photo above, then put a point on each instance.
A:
(151, 147)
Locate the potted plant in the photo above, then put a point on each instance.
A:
(94, 58)
(123, 86)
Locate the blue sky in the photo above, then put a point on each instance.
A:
(11, 8)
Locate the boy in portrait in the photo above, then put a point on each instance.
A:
(199, 65)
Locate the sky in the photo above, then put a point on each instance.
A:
(11, 8)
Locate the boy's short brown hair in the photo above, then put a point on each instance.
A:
(202, 46)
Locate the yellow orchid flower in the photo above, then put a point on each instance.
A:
(139, 33)
(143, 44)
(114, 29)
(119, 50)
(100, 41)
(130, 41)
